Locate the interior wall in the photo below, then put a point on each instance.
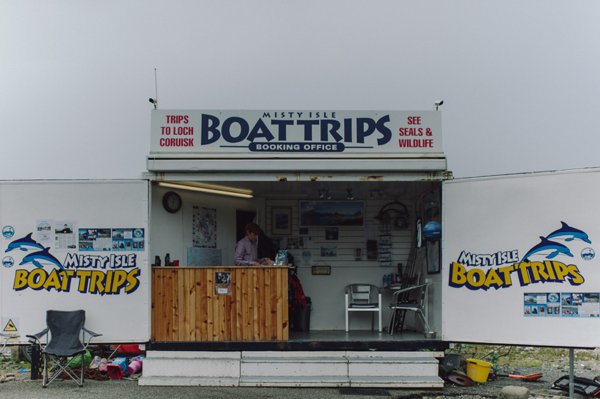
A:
(327, 292)
(172, 233)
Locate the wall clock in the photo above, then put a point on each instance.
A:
(171, 202)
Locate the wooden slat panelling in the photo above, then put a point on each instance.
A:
(185, 307)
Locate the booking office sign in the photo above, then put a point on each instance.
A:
(106, 274)
(294, 133)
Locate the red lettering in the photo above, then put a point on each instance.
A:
(177, 119)
(176, 142)
(414, 120)
(416, 143)
(410, 131)
(184, 131)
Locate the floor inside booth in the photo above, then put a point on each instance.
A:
(317, 340)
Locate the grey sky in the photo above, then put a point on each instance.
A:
(519, 79)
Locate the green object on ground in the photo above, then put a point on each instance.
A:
(87, 359)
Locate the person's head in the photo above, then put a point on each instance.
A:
(252, 230)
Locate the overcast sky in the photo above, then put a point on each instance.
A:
(520, 79)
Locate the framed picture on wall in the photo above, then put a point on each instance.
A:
(281, 219)
(332, 213)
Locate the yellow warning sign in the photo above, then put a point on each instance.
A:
(10, 326)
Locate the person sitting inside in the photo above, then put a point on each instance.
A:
(246, 253)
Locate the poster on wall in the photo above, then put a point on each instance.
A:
(329, 251)
(120, 239)
(95, 239)
(222, 283)
(332, 213)
(65, 236)
(332, 233)
(128, 239)
(45, 232)
(282, 221)
(306, 259)
(204, 227)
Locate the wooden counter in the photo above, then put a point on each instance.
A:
(186, 308)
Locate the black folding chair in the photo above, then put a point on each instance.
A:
(65, 345)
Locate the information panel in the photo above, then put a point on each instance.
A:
(519, 259)
(79, 244)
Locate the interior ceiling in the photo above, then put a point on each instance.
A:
(338, 190)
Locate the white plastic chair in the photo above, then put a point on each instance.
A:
(363, 298)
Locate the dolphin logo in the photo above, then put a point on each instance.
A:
(42, 256)
(23, 243)
(571, 232)
(547, 245)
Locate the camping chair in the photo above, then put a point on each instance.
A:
(363, 298)
(6, 337)
(65, 328)
(402, 303)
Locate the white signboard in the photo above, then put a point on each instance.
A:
(304, 134)
(69, 245)
(520, 262)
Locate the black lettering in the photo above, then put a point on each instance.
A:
(226, 129)
(209, 133)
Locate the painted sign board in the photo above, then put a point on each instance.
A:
(69, 245)
(289, 134)
(520, 262)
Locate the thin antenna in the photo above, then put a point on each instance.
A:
(154, 101)
(155, 88)
(155, 85)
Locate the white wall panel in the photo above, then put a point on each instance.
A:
(487, 216)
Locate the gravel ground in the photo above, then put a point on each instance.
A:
(551, 371)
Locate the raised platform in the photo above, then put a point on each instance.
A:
(307, 359)
(316, 341)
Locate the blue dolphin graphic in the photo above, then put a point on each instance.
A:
(42, 256)
(547, 245)
(23, 243)
(572, 232)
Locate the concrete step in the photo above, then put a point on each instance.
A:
(294, 364)
(295, 381)
(293, 369)
(397, 382)
(197, 381)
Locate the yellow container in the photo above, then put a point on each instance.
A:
(478, 370)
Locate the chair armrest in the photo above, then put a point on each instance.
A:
(35, 338)
(91, 334)
(407, 289)
(6, 338)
